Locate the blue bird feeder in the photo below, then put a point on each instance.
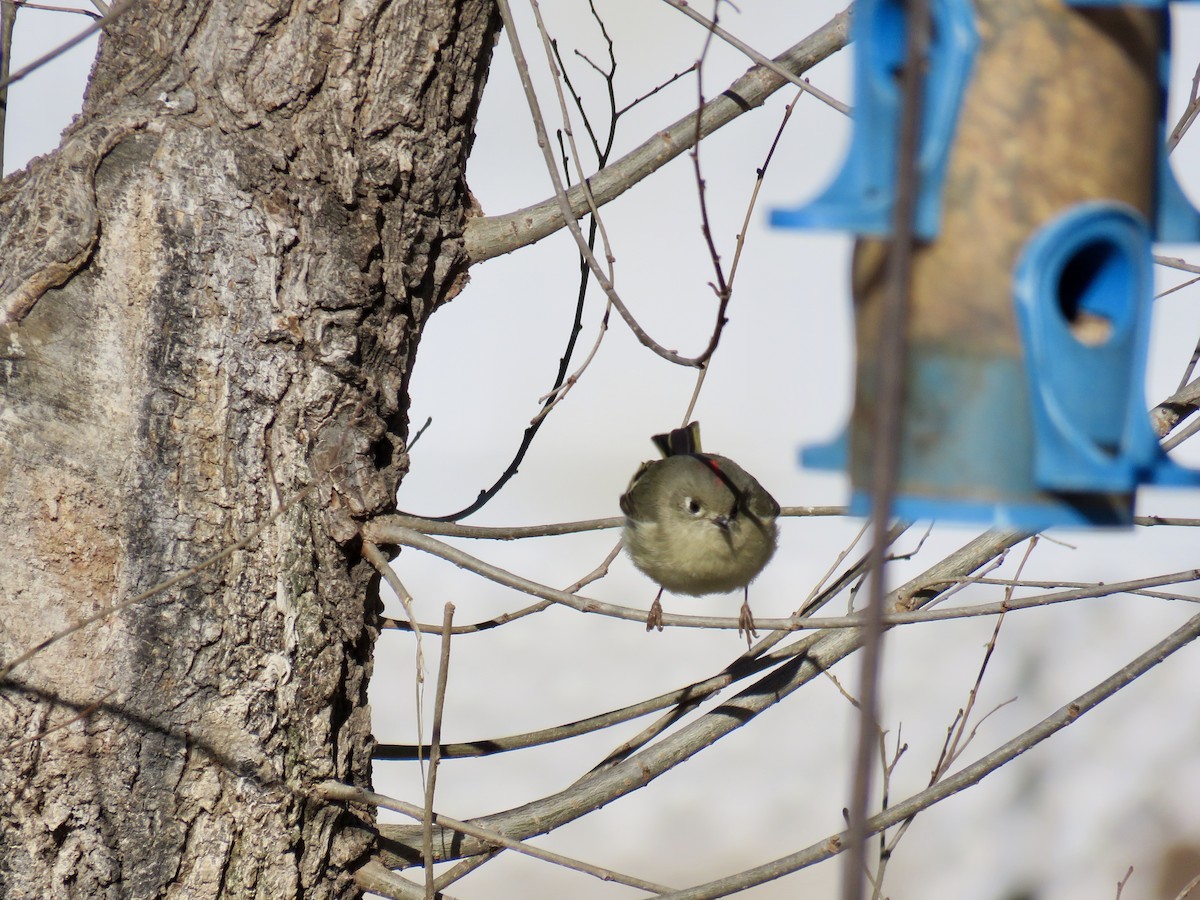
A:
(1042, 182)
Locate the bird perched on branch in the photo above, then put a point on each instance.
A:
(697, 523)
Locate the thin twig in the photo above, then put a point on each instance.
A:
(420, 431)
(555, 397)
(372, 554)
(696, 691)
(886, 849)
(781, 626)
(118, 9)
(593, 207)
(47, 8)
(656, 89)
(562, 381)
(474, 627)
(435, 744)
(967, 582)
(489, 236)
(42, 735)
(765, 62)
(972, 774)
(1188, 888)
(888, 422)
(1190, 368)
(740, 243)
(1174, 262)
(841, 557)
(8, 20)
(1189, 115)
(568, 215)
(1124, 881)
(1178, 287)
(958, 744)
(955, 743)
(604, 787)
(504, 618)
(381, 526)
(375, 556)
(1180, 436)
(721, 289)
(333, 790)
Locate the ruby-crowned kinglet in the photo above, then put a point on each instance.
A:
(697, 523)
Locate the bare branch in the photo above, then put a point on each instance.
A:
(1178, 287)
(381, 526)
(1182, 126)
(435, 744)
(1180, 436)
(887, 420)
(1174, 262)
(377, 878)
(332, 790)
(1188, 888)
(969, 776)
(1170, 412)
(782, 626)
(655, 90)
(489, 236)
(8, 20)
(21, 4)
(504, 618)
(601, 787)
(1124, 881)
(568, 216)
(117, 10)
(42, 735)
(757, 57)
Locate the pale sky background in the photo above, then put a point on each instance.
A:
(1064, 822)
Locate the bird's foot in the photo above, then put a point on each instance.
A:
(654, 617)
(746, 623)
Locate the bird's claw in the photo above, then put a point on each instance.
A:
(654, 617)
(746, 623)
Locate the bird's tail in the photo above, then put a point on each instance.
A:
(680, 442)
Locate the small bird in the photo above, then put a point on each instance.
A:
(698, 523)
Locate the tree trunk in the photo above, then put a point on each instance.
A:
(212, 295)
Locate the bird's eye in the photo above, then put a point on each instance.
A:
(692, 505)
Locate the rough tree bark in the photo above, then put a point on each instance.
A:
(210, 299)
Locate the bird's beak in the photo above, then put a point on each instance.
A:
(724, 523)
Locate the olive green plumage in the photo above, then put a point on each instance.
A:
(697, 523)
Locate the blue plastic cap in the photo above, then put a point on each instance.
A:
(1083, 288)
(862, 196)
